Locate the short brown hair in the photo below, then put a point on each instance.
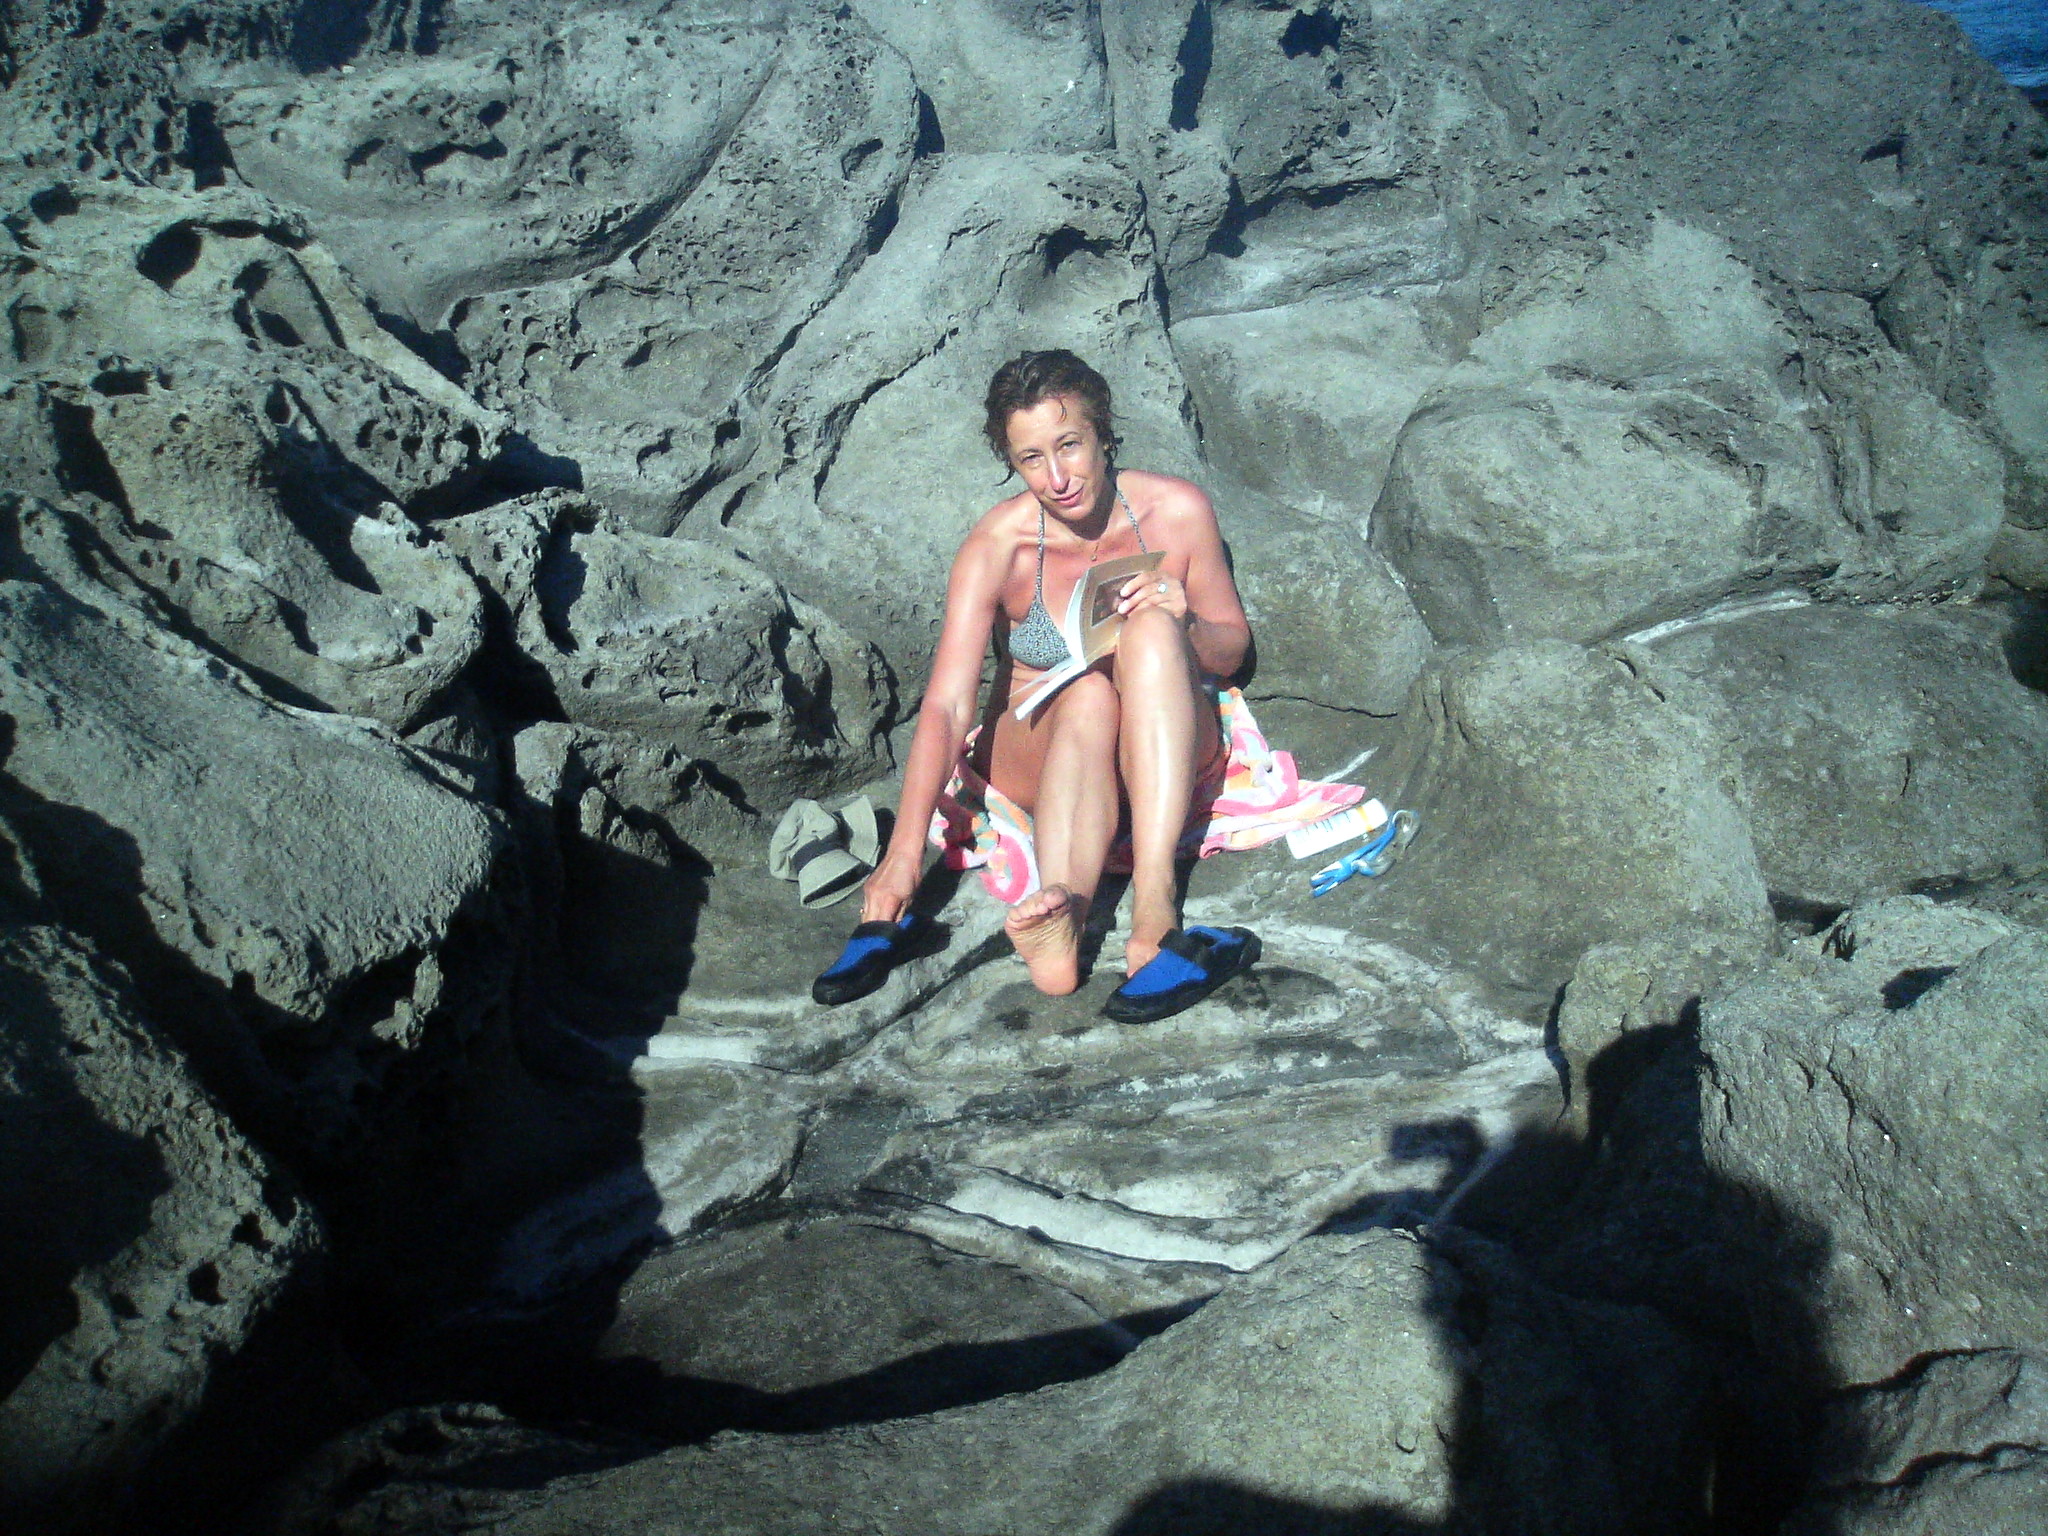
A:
(1031, 378)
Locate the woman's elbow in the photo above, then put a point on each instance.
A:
(947, 714)
(1227, 648)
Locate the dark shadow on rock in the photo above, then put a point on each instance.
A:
(2025, 641)
(613, 913)
(1202, 1507)
(437, 1161)
(1617, 1069)
(92, 877)
(1639, 1343)
(205, 153)
(931, 138)
(1651, 1226)
(438, 349)
(628, 922)
(1109, 896)
(83, 467)
(549, 1377)
(1553, 1047)
(326, 34)
(290, 1386)
(1191, 69)
(1803, 918)
(935, 891)
(521, 468)
(322, 495)
(76, 1190)
(1909, 986)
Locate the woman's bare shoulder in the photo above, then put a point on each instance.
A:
(1178, 503)
(1008, 514)
(1004, 522)
(993, 538)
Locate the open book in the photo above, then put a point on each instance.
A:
(1092, 623)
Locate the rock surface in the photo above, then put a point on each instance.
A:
(1345, 1080)
(872, 459)
(1958, 1444)
(1134, 1166)
(1631, 452)
(698, 676)
(1579, 804)
(1359, 641)
(242, 438)
(144, 1237)
(1850, 1080)
(1623, 1003)
(1882, 748)
(1243, 1395)
(299, 977)
(468, 466)
(815, 1321)
(1324, 1393)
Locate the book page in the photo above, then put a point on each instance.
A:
(1098, 595)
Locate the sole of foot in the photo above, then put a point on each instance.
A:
(1046, 929)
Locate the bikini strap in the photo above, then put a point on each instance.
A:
(1038, 591)
(1127, 512)
(1038, 588)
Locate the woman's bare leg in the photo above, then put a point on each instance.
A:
(1062, 768)
(1169, 731)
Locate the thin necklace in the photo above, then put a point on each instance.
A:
(1109, 520)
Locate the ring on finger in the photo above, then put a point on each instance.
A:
(1162, 589)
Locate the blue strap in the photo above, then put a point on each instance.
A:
(856, 951)
(1162, 973)
(861, 945)
(1170, 969)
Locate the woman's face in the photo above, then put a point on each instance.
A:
(1057, 450)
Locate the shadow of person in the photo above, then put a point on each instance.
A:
(1638, 1349)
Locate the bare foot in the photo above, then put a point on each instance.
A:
(1046, 928)
(1148, 927)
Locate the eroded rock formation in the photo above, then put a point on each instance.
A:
(469, 466)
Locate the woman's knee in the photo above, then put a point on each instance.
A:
(1088, 711)
(1153, 643)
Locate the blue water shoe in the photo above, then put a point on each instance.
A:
(1191, 963)
(864, 964)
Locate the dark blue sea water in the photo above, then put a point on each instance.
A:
(2012, 34)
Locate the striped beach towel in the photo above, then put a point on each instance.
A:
(1256, 797)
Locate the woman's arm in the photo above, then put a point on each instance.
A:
(1205, 599)
(943, 720)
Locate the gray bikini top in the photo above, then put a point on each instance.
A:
(1035, 639)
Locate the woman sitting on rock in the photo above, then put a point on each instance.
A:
(1139, 728)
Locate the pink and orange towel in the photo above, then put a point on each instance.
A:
(1256, 798)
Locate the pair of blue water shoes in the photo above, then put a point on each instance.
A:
(1191, 963)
